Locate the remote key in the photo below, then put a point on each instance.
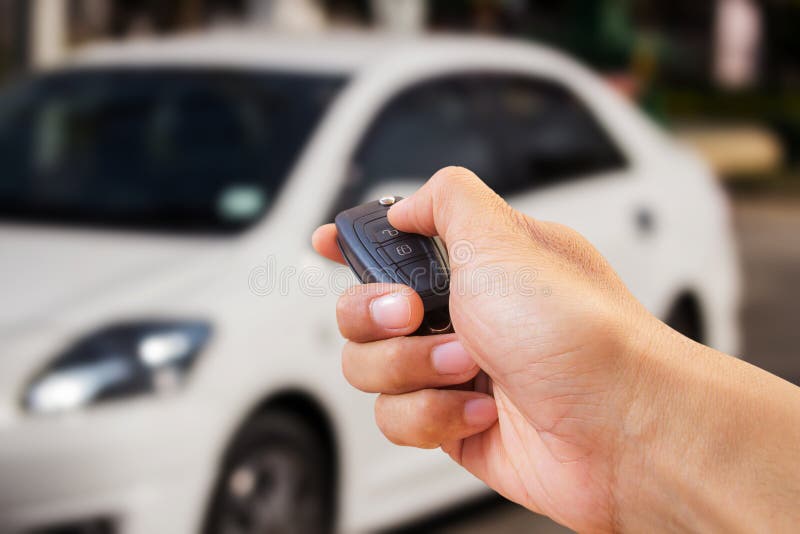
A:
(377, 252)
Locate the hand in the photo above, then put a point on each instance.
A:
(553, 349)
(577, 365)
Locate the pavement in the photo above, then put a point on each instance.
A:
(768, 232)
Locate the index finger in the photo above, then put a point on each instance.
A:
(324, 242)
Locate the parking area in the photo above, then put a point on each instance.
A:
(768, 231)
(769, 239)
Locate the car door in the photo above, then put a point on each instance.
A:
(422, 128)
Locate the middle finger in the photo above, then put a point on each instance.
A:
(404, 364)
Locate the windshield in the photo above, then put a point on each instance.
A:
(163, 148)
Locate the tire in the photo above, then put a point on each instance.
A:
(276, 479)
(685, 318)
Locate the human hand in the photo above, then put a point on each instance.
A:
(555, 349)
(578, 403)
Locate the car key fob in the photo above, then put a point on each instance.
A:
(377, 252)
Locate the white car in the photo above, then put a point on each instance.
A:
(170, 357)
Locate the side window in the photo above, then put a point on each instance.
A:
(548, 135)
(515, 132)
(438, 123)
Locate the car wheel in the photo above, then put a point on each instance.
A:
(275, 479)
(685, 318)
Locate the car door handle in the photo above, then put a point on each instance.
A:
(645, 221)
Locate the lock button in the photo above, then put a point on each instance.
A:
(403, 250)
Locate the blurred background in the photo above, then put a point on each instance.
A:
(721, 76)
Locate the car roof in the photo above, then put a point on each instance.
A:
(334, 52)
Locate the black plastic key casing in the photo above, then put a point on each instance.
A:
(378, 252)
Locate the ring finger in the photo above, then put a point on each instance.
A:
(430, 417)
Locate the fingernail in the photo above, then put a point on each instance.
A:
(479, 412)
(451, 359)
(391, 311)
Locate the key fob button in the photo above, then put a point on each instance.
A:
(380, 231)
(426, 276)
(403, 250)
(418, 275)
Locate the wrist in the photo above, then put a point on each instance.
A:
(703, 436)
(669, 435)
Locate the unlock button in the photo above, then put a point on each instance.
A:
(403, 250)
(380, 231)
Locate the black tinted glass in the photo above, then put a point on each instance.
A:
(430, 126)
(515, 132)
(164, 148)
(548, 135)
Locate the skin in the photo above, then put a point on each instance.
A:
(586, 407)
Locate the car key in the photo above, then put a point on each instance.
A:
(378, 252)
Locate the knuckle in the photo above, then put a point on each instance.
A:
(527, 225)
(428, 403)
(451, 176)
(342, 304)
(428, 426)
(421, 430)
(380, 408)
(394, 364)
(383, 419)
(342, 313)
(572, 246)
(451, 171)
(348, 365)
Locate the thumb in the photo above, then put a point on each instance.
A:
(454, 204)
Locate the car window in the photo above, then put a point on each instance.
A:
(437, 123)
(548, 136)
(164, 148)
(515, 132)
